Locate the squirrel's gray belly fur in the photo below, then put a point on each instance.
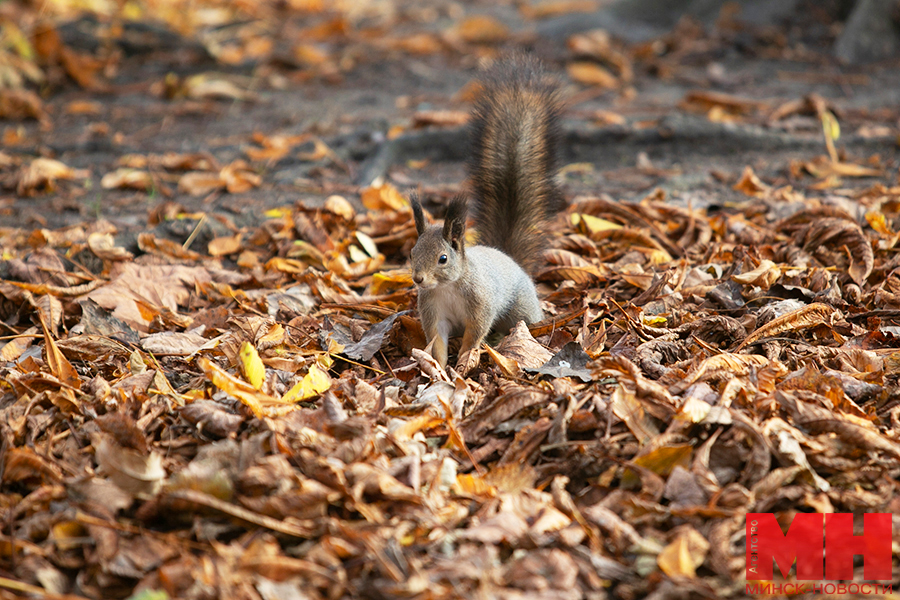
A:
(514, 296)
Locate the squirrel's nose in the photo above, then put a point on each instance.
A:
(418, 278)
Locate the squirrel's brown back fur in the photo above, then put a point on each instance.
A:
(515, 132)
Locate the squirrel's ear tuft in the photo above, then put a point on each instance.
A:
(455, 222)
(418, 215)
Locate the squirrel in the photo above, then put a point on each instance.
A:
(473, 291)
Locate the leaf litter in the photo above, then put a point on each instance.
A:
(253, 416)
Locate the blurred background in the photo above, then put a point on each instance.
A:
(111, 109)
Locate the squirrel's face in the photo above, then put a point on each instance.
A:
(435, 261)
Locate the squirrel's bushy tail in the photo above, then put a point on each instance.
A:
(515, 133)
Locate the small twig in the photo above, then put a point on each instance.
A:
(195, 232)
(353, 362)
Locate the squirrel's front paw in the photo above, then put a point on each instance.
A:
(468, 360)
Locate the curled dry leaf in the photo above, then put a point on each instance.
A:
(520, 346)
(751, 185)
(729, 365)
(843, 233)
(103, 245)
(129, 179)
(592, 74)
(132, 471)
(384, 197)
(766, 274)
(57, 362)
(625, 406)
(23, 465)
(803, 318)
(42, 174)
(212, 419)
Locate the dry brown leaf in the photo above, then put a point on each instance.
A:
(704, 101)
(223, 246)
(752, 185)
(16, 105)
(730, 365)
(384, 197)
(130, 179)
(803, 318)
(210, 86)
(521, 347)
(764, 276)
(59, 365)
(103, 245)
(508, 366)
(200, 183)
(842, 233)
(23, 464)
(482, 29)
(590, 73)
(42, 173)
(130, 470)
(625, 406)
(554, 8)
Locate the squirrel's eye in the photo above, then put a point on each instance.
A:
(443, 259)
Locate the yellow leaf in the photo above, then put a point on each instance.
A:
(682, 557)
(658, 257)
(662, 460)
(832, 132)
(472, 485)
(277, 213)
(830, 126)
(508, 366)
(315, 382)
(274, 337)
(241, 390)
(593, 224)
(653, 320)
(878, 222)
(385, 282)
(252, 364)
